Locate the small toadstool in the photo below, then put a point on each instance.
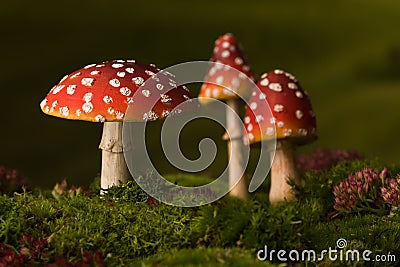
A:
(224, 84)
(292, 122)
(102, 93)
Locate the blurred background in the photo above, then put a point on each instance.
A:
(345, 53)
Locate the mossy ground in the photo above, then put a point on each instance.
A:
(130, 229)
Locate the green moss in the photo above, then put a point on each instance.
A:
(128, 227)
(206, 257)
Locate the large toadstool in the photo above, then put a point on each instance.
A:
(292, 122)
(227, 85)
(102, 93)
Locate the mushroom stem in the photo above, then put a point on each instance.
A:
(113, 167)
(283, 168)
(235, 150)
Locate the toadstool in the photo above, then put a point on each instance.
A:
(223, 83)
(292, 121)
(102, 93)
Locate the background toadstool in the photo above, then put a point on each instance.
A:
(292, 121)
(226, 85)
(102, 93)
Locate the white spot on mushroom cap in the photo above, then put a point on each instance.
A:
(225, 54)
(292, 86)
(215, 93)
(280, 124)
(250, 127)
(207, 92)
(64, 111)
(264, 75)
(264, 82)
(302, 132)
(253, 105)
(89, 66)
(242, 76)
(78, 112)
(57, 89)
(150, 116)
(71, 89)
(262, 96)
(275, 87)
(259, 118)
(125, 91)
(228, 92)
(235, 82)
(138, 80)
(251, 136)
(149, 72)
(155, 77)
(159, 86)
(219, 79)
(130, 100)
(87, 81)
(43, 103)
(290, 76)
(119, 115)
(110, 110)
(166, 99)
(130, 70)
(75, 75)
(278, 71)
(287, 132)
(299, 114)
(246, 67)
(88, 97)
(117, 65)
(107, 99)
(272, 120)
(115, 82)
(278, 108)
(238, 60)
(87, 107)
(100, 118)
(146, 93)
(121, 74)
(95, 72)
(270, 131)
(247, 119)
(165, 113)
(299, 94)
(225, 44)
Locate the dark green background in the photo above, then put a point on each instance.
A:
(345, 53)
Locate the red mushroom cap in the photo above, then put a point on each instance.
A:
(291, 115)
(227, 51)
(102, 92)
